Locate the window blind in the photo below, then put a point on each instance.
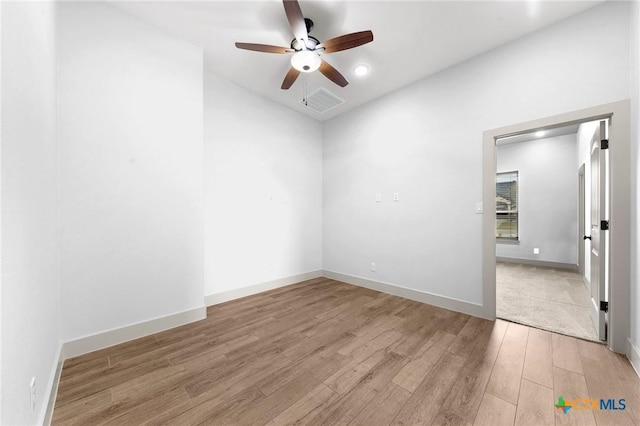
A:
(507, 205)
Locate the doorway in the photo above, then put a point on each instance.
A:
(617, 269)
(537, 251)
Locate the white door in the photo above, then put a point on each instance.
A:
(598, 209)
(581, 219)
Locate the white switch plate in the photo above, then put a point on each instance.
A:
(378, 197)
(373, 267)
(396, 196)
(536, 250)
(479, 208)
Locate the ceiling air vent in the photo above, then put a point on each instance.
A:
(322, 100)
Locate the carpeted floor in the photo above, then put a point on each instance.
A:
(546, 298)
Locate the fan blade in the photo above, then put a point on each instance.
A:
(290, 78)
(263, 48)
(347, 41)
(332, 74)
(296, 20)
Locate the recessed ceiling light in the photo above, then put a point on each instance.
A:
(361, 70)
(540, 133)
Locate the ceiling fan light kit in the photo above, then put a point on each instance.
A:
(306, 61)
(307, 49)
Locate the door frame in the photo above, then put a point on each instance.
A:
(620, 210)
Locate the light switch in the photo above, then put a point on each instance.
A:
(378, 197)
(479, 208)
(396, 196)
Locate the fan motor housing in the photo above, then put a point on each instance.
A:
(311, 44)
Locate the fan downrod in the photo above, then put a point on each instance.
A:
(309, 23)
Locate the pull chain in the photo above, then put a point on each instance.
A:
(304, 90)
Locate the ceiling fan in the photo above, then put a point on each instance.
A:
(306, 49)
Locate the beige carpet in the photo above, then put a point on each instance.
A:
(546, 298)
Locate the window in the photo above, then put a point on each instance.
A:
(507, 206)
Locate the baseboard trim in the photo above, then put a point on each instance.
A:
(409, 293)
(53, 389)
(633, 353)
(105, 339)
(587, 283)
(226, 296)
(543, 263)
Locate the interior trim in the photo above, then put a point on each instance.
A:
(108, 338)
(409, 293)
(544, 263)
(226, 296)
(634, 356)
(53, 390)
(620, 210)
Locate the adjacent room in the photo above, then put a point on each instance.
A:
(282, 212)
(542, 206)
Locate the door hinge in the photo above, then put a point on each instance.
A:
(604, 306)
(604, 144)
(604, 225)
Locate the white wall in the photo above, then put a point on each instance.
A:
(634, 66)
(131, 131)
(425, 142)
(547, 198)
(263, 190)
(29, 187)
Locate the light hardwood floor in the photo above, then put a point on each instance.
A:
(324, 352)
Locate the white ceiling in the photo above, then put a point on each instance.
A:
(412, 39)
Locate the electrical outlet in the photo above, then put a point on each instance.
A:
(536, 250)
(33, 393)
(378, 197)
(396, 196)
(373, 267)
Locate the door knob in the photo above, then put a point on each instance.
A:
(586, 237)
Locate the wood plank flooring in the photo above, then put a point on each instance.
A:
(323, 352)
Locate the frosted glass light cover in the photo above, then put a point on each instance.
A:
(305, 61)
